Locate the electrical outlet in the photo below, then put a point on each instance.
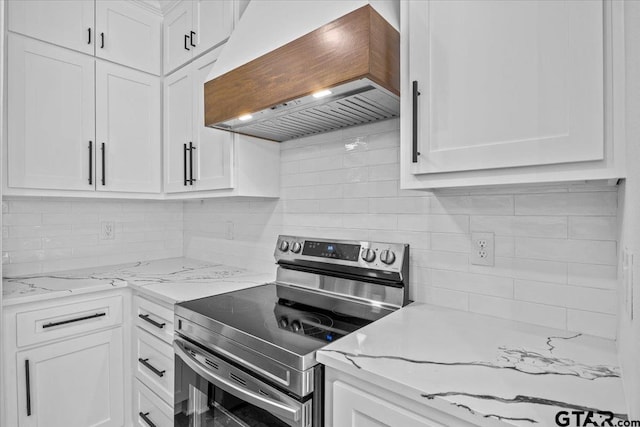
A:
(107, 230)
(627, 281)
(228, 231)
(482, 249)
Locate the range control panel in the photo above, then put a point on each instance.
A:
(376, 255)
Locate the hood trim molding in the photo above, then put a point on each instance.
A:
(358, 45)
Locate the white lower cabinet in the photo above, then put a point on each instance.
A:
(352, 402)
(70, 371)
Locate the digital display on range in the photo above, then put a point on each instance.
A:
(331, 250)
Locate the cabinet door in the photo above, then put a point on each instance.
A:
(66, 23)
(356, 408)
(178, 43)
(213, 22)
(73, 383)
(178, 128)
(128, 35)
(505, 84)
(128, 124)
(50, 116)
(214, 153)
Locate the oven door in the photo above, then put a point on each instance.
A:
(210, 392)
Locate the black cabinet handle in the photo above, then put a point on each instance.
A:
(191, 178)
(415, 152)
(77, 319)
(90, 162)
(28, 382)
(185, 164)
(152, 368)
(104, 180)
(186, 36)
(153, 322)
(192, 33)
(89, 40)
(146, 419)
(101, 40)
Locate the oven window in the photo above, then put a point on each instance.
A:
(202, 404)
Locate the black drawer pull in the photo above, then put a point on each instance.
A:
(191, 178)
(104, 173)
(28, 381)
(152, 368)
(185, 163)
(101, 40)
(89, 30)
(414, 151)
(186, 36)
(144, 416)
(90, 162)
(153, 322)
(77, 319)
(191, 34)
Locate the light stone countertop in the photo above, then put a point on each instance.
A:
(502, 372)
(170, 280)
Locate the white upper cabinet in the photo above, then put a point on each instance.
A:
(65, 23)
(492, 87)
(127, 130)
(128, 35)
(50, 116)
(115, 30)
(193, 27)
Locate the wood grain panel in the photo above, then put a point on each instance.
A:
(358, 45)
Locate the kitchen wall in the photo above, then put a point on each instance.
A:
(555, 245)
(42, 235)
(629, 218)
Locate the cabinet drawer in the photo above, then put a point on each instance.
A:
(154, 318)
(67, 320)
(154, 364)
(147, 404)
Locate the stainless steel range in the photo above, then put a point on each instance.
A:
(247, 358)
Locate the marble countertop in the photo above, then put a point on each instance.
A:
(171, 280)
(501, 372)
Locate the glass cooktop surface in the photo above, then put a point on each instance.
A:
(259, 312)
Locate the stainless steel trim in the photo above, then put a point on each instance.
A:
(252, 353)
(248, 388)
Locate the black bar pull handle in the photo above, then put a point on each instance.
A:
(104, 180)
(191, 178)
(89, 31)
(415, 152)
(90, 162)
(145, 417)
(186, 36)
(153, 322)
(191, 34)
(145, 362)
(185, 164)
(77, 319)
(101, 40)
(28, 382)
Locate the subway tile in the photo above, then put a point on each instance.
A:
(597, 276)
(21, 244)
(581, 298)
(532, 226)
(529, 269)
(11, 219)
(388, 172)
(447, 298)
(598, 324)
(540, 314)
(450, 242)
(593, 203)
(593, 227)
(473, 283)
(434, 223)
(405, 205)
(582, 251)
(477, 205)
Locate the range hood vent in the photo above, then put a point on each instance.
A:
(355, 57)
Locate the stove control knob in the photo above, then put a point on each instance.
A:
(368, 255)
(295, 247)
(284, 322)
(387, 257)
(295, 326)
(284, 246)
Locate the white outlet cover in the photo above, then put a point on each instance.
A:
(107, 230)
(482, 255)
(229, 228)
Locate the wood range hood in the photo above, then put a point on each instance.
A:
(354, 61)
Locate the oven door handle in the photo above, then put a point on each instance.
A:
(273, 406)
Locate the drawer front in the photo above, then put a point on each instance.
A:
(149, 409)
(155, 365)
(67, 320)
(154, 318)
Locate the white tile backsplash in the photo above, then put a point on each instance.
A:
(44, 235)
(550, 239)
